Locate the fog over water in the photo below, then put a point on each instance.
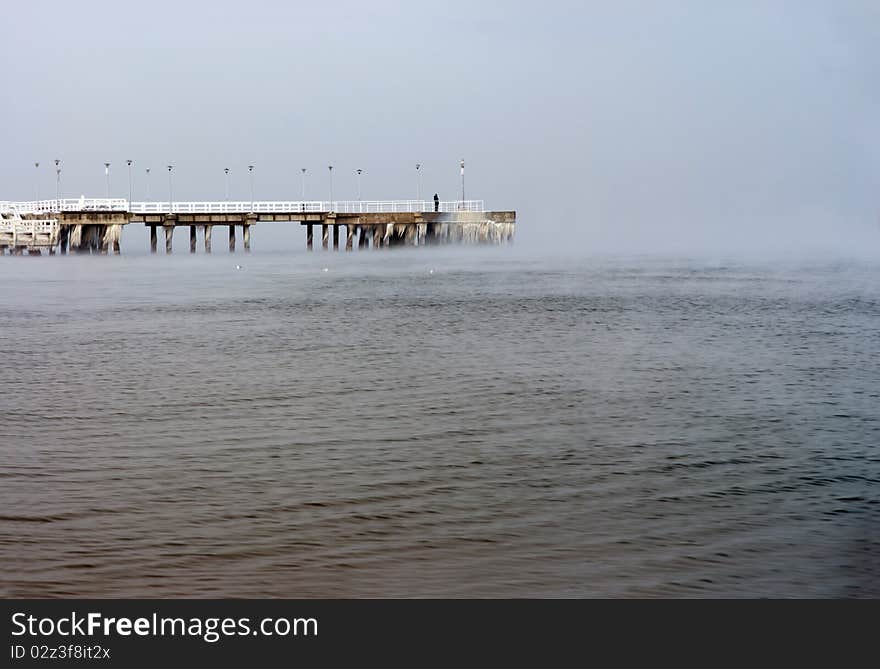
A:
(427, 423)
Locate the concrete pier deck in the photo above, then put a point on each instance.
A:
(95, 226)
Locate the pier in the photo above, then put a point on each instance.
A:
(95, 225)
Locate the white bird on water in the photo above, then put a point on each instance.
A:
(326, 269)
(238, 267)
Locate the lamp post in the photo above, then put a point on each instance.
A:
(57, 179)
(148, 184)
(107, 174)
(419, 182)
(462, 183)
(128, 162)
(37, 182)
(251, 170)
(303, 170)
(330, 205)
(226, 172)
(170, 191)
(359, 184)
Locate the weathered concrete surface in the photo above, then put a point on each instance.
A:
(421, 228)
(100, 231)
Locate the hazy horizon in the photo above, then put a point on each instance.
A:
(677, 126)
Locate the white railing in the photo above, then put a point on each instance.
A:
(307, 206)
(313, 206)
(18, 232)
(78, 204)
(22, 227)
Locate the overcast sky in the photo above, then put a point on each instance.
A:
(636, 125)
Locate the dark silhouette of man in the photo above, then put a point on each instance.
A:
(436, 202)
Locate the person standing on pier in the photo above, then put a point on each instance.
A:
(436, 202)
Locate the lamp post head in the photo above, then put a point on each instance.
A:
(418, 166)
(359, 171)
(330, 167)
(57, 162)
(36, 164)
(462, 163)
(250, 168)
(302, 169)
(106, 164)
(128, 162)
(226, 170)
(170, 167)
(148, 170)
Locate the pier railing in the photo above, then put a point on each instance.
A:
(70, 204)
(308, 206)
(261, 207)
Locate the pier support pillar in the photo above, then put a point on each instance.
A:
(309, 236)
(362, 237)
(231, 238)
(154, 242)
(64, 238)
(169, 233)
(349, 237)
(192, 239)
(409, 236)
(246, 237)
(335, 237)
(325, 236)
(208, 238)
(376, 237)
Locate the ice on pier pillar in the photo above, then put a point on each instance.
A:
(154, 242)
(409, 235)
(192, 239)
(389, 233)
(325, 236)
(110, 241)
(169, 233)
(75, 237)
(349, 237)
(375, 237)
(246, 237)
(335, 237)
(232, 239)
(309, 236)
(208, 238)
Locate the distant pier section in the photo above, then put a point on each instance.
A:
(95, 225)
